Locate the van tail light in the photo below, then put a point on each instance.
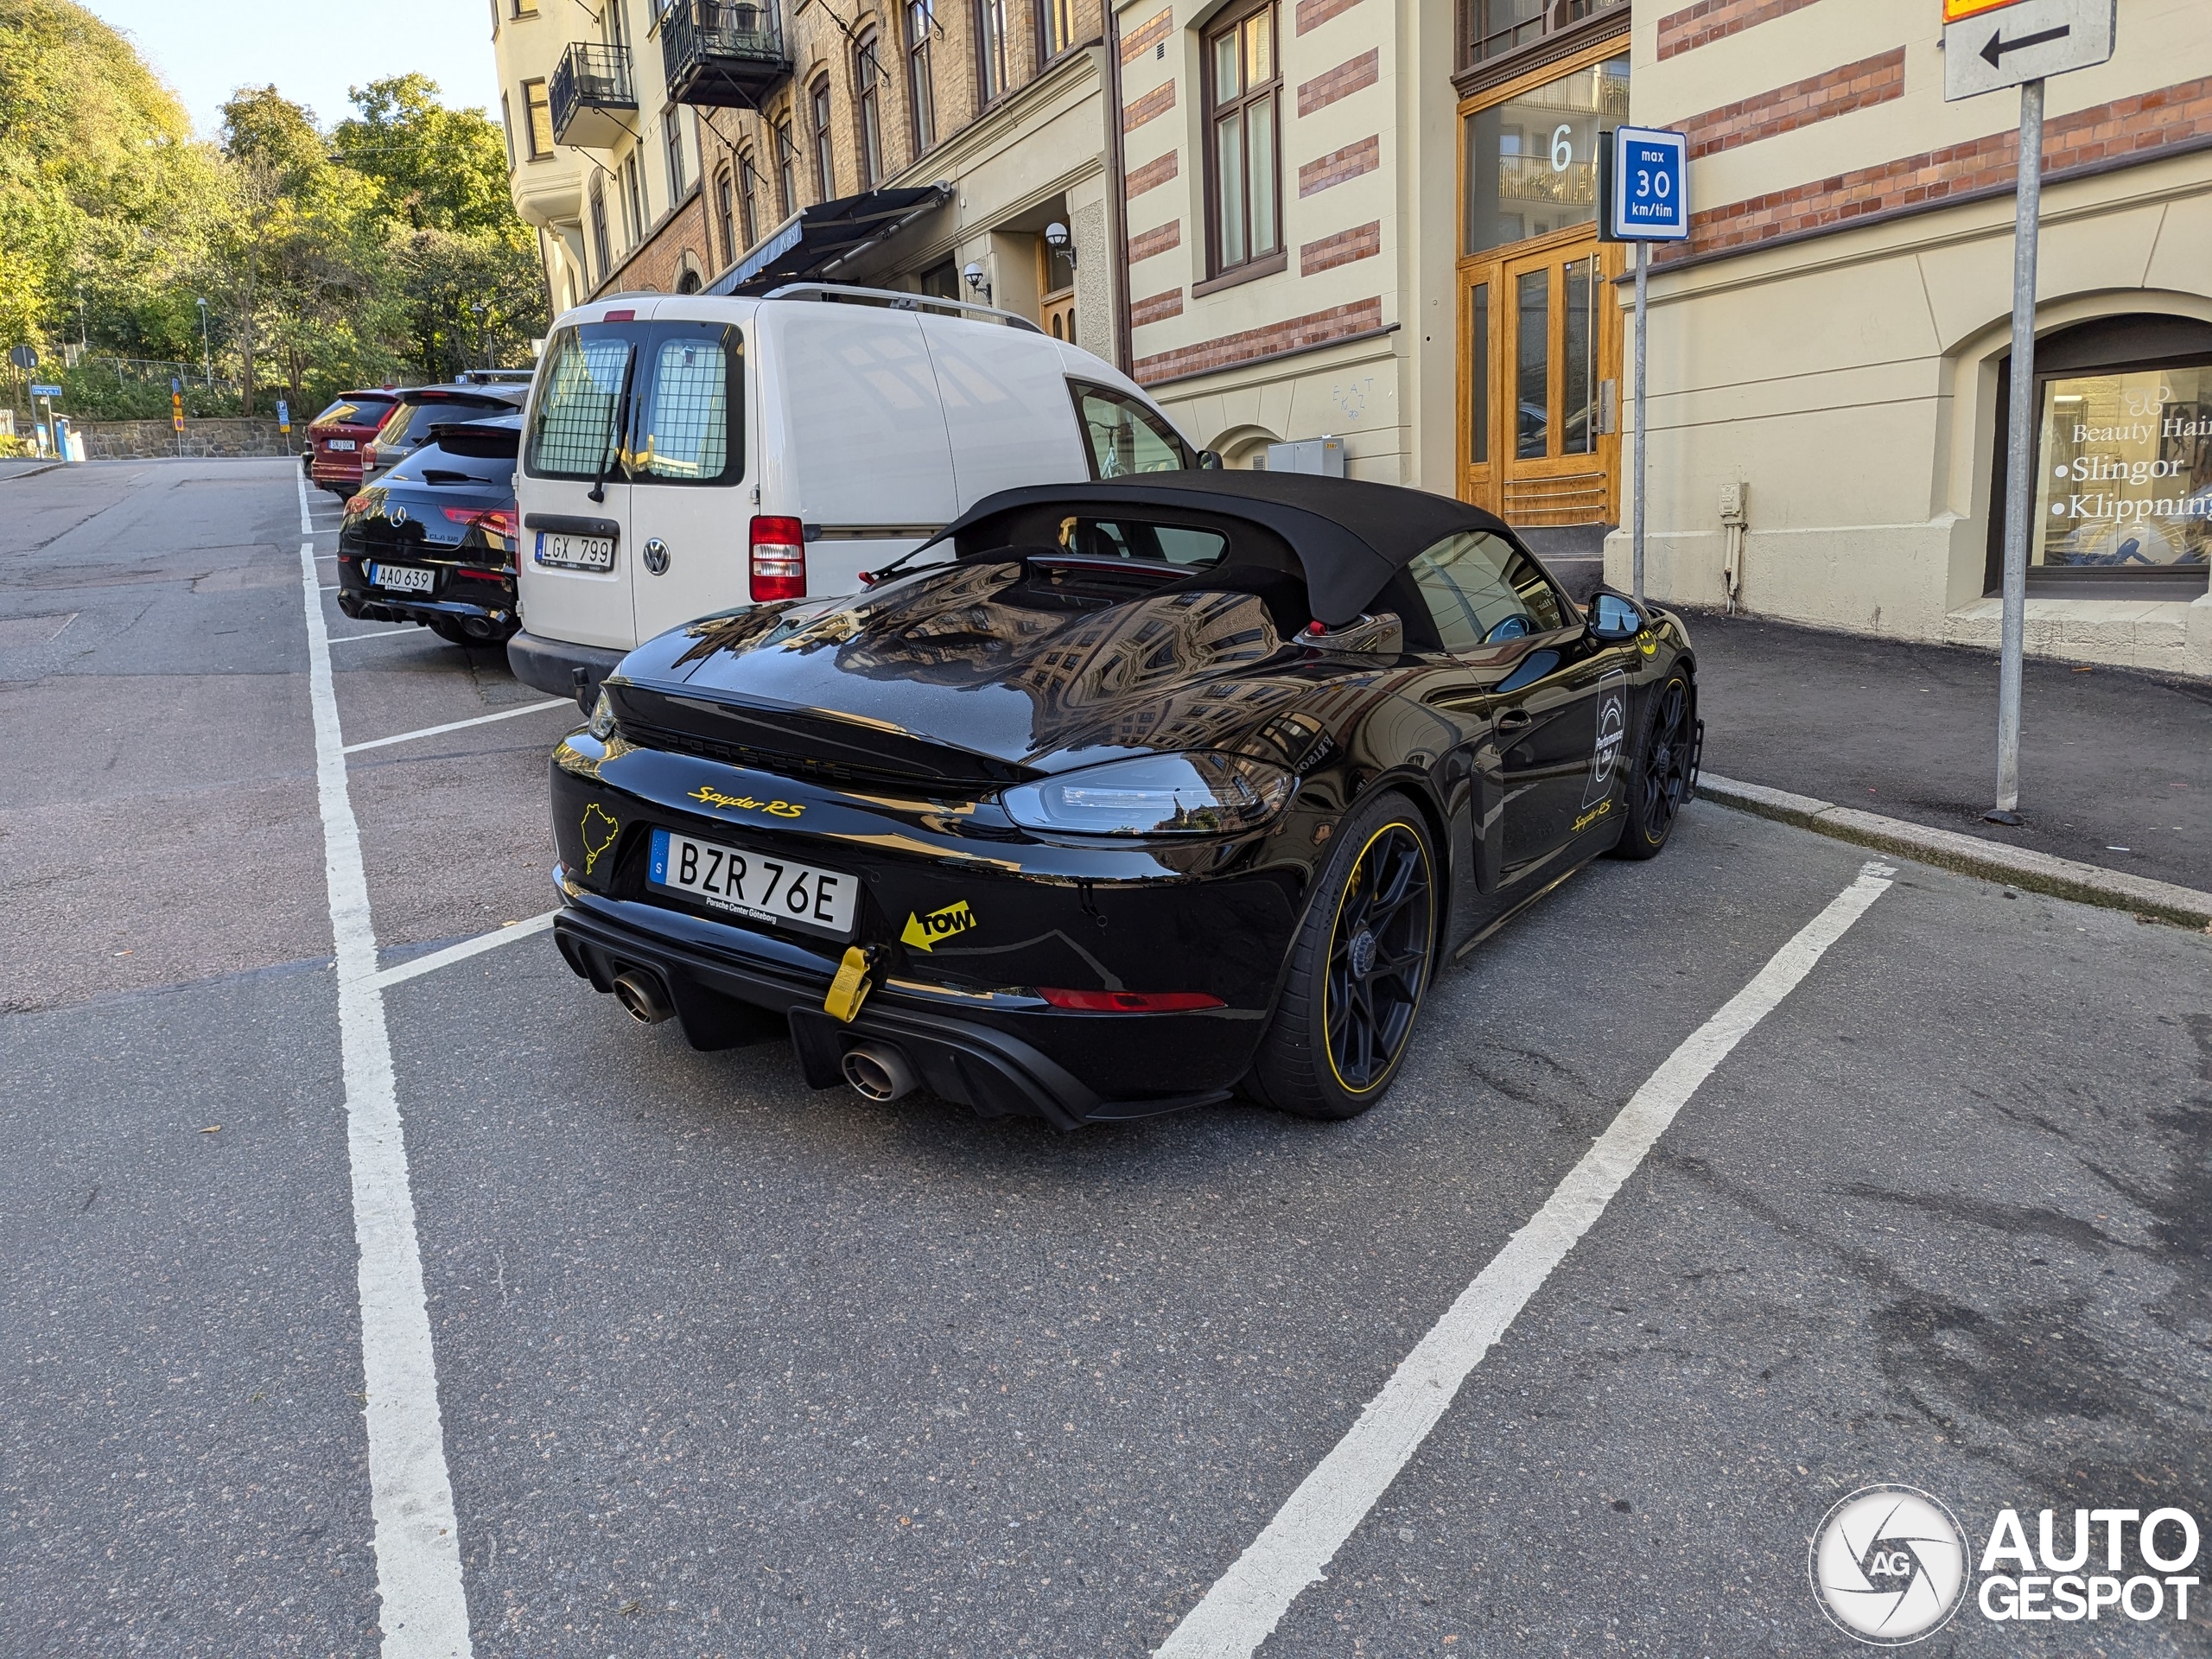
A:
(1129, 1001)
(778, 559)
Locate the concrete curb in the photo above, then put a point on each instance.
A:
(2063, 878)
(30, 471)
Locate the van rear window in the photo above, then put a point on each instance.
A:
(643, 404)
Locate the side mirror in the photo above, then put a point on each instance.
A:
(1614, 616)
(1210, 461)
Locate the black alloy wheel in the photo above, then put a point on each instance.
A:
(1658, 783)
(1358, 970)
(1378, 958)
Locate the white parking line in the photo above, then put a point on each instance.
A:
(423, 1610)
(384, 633)
(457, 725)
(462, 953)
(1249, 1600)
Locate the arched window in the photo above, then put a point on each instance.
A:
(921, 85)
(726, 217)
(748, 194)
(825, 164)
(868, 98)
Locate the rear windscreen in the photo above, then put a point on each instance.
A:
(360, 411)
(409, 425)
(643, 403)
(1135, 538)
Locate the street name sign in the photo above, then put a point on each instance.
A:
(1650, 197)
(46, 392)
(1989, 45)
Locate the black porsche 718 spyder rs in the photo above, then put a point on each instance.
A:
(1160, 788)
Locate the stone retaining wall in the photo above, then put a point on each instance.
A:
(148, 440)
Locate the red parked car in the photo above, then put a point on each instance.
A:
(338, 436)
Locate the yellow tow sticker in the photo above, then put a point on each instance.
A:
(927, 933)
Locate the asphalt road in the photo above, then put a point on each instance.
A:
(729, 1367)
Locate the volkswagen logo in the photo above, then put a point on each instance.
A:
(1889, 1566)
(656, 556)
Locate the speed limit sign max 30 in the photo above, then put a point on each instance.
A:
(1648, 192)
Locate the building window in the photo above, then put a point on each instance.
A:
(599, 242)
(825, 163)
(1490, 29)
(633, 180)
(748, 194)
(507, 126)
(2123, 461)
(786, 170)
(525, 9)
(921, 89)
(540, 109)
(726, 216)
(991, 77)
(1055, 27)
(1532, 161)
(1243, 92)
(674, 128)
(868, 98)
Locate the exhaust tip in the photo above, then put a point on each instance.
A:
(643, 996)
(878, 1071)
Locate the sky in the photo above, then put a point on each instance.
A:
(311, 50)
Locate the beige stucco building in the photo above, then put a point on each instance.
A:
(1837, 334)
(671, 147)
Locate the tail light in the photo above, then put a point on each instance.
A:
(778, 559)
(1130, 1002)
(493, 521)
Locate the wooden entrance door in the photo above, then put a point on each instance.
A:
(1540, 342)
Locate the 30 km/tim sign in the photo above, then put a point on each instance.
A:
(1989, 45)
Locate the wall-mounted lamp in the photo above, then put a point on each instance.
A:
(974, 273)
(1057, 239)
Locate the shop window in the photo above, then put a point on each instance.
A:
(1532, 161)
(1243, 97)
(2123, 459)
(921, 83)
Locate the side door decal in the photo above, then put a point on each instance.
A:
(1612, 736)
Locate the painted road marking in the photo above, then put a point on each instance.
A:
(476, 947)
(423, 1612)
(382, 634)
(457, 725)
(1249, 1600)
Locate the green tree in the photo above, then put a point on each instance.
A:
(434, 169)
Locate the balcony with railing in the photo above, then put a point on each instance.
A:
(590, 92)
(726, 54)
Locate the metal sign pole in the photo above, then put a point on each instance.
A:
(1635, 530)
(2020, 485)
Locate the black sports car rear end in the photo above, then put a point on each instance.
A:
(433, 541)
(1163, 787)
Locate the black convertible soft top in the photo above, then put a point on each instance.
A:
(1351, 537)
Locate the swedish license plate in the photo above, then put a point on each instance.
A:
(403, 578)
(338, 443)
(755, 885)
(575, 552)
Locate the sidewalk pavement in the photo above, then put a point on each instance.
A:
(2115, 767)
(27, 467)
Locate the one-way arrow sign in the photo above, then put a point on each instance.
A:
(1998, 45)
(1990, 49)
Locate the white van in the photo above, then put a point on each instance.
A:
(684, 455)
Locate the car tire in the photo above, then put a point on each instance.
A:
(1345, 1018)
(1658, 783)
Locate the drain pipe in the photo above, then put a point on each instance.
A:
(1117, 198)
(1735, 519)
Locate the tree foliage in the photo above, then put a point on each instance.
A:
(385, 245)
